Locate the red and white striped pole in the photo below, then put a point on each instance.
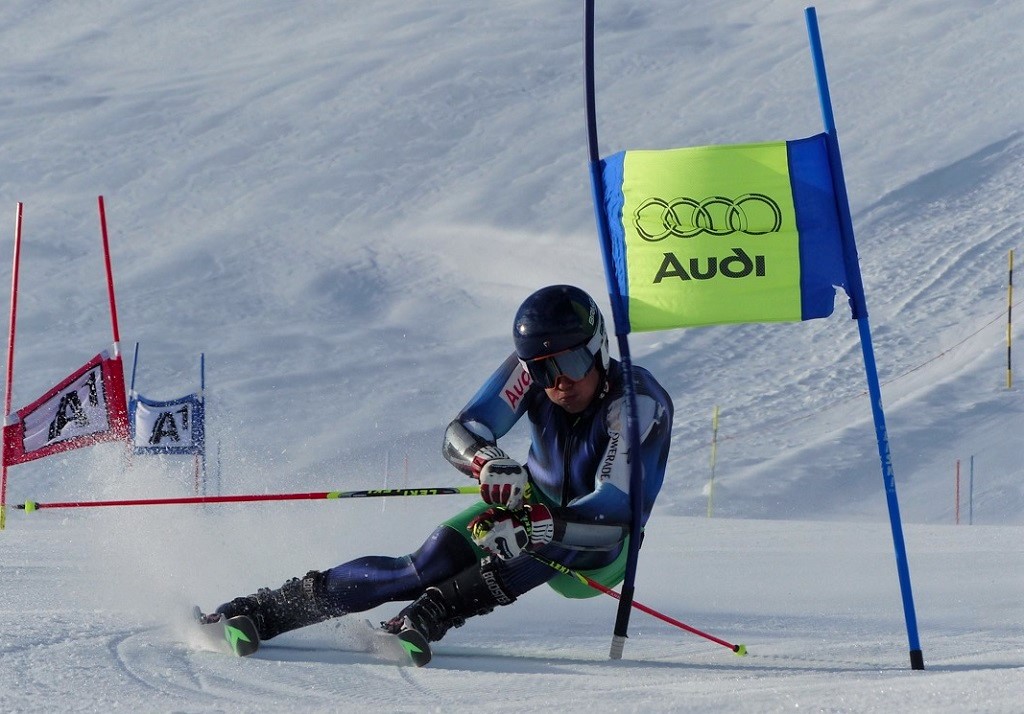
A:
(118, 403)
(110, 275)
(10, 352)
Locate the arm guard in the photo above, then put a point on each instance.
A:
(462, 442)
(585, 536)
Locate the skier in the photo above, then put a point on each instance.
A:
(568, 503)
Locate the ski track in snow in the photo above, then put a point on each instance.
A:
(834, 640)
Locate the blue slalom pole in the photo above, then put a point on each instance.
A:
(621, 320)
(202, 414)
(135, 364)
(131, 397)
(860, 313)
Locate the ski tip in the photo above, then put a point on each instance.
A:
(241, 635)
(235, 635)
(416, 647)
(203, 618)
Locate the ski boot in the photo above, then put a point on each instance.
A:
(474, 591)
(297, 603)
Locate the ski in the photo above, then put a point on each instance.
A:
(362, 637)
(238, 636)
(234, 635)
(405, 648)
(415, 646)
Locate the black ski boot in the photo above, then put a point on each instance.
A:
(474, 591)
(297, 603)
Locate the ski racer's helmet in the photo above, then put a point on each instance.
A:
(559, 330)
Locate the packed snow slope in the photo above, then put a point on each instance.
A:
(342, 204)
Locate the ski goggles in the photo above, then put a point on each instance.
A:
(574, 363)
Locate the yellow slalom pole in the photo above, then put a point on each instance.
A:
(714, 458)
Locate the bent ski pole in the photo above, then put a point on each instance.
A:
(740, 650)
(30, 506)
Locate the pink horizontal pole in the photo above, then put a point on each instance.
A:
(30, 506)
(741, 650)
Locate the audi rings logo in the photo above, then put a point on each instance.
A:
(752, 213)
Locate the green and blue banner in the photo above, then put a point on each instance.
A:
(724, 234)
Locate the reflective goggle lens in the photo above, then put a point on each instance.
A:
(574, 364)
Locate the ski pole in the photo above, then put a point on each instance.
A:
(30, 506)
(740, 650)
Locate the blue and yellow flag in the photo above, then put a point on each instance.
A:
(724, 234)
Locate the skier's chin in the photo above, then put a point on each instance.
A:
(573, 404)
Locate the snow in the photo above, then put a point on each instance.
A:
(342, 204)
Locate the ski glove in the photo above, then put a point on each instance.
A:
(506, 534)
(502, 479)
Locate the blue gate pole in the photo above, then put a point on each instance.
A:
(202, 402)
(860, 313)
(131, 398)
(135, 364)
(621, 320)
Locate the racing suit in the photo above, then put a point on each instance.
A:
(578, 466)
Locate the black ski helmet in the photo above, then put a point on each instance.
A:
(559, 318)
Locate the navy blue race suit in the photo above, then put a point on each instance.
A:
(578, 467)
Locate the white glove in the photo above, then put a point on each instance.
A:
(502, 479)
(506, 535)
